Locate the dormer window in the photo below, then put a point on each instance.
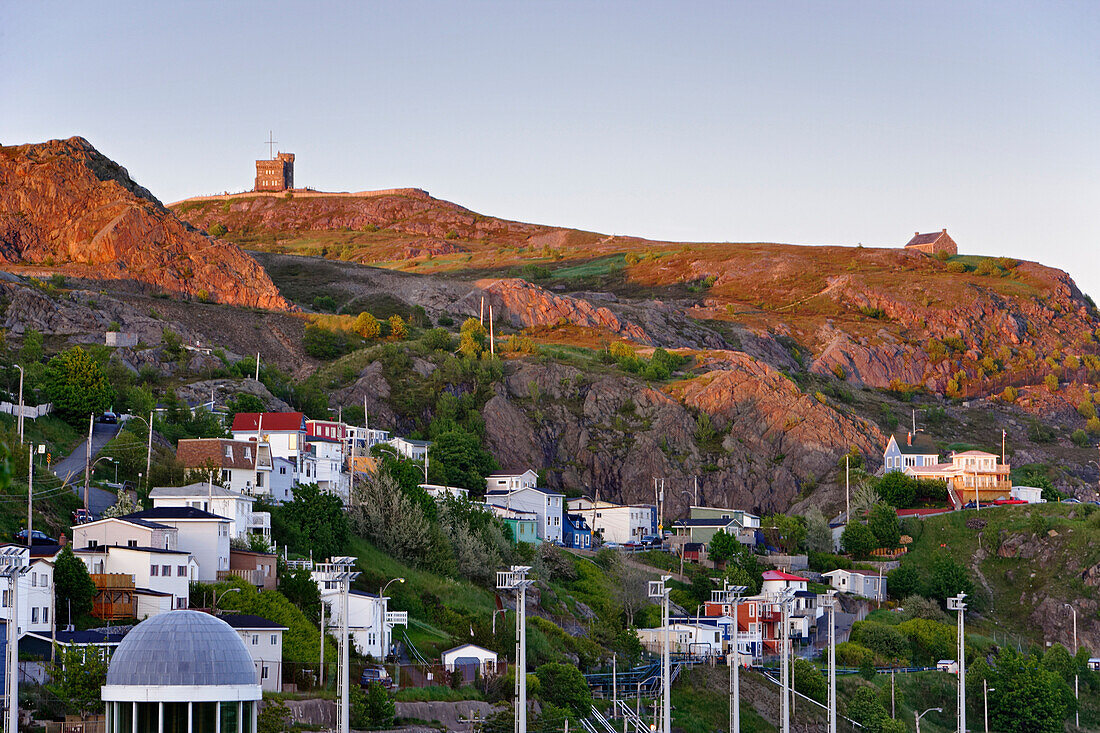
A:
(248, 454)
(229, 452)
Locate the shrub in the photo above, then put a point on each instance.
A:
(1051, 382)
(851, 654)
(857, 539)
(1010, 394)
(884, 640)
(367, 326)
(1093, 425)
(398, 330)
(839, 371)
(218, 230)
(632, 258)
(957, 267)
(1086, 410)
(321, 343)
(452, 234)
(903, 581)
(324, 303)
(438, 339)
(1080, 438)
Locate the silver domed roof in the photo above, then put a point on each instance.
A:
(182, 648)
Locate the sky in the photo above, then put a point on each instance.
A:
(803, 122)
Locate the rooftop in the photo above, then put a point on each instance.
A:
(922, 444)
(249, 621)
(199, 489)
(272, 422)
(173, 512)
(780, 575)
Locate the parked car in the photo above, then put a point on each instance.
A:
(109, 418)
(37, 537)
(611, 545)
(80, 516)
(1071, 500)
(652, 540)
(376, 674)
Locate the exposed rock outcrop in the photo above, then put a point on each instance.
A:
(65, 206)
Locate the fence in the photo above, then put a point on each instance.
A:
(31, 411)
(298, 677)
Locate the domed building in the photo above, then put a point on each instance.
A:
(181, 672)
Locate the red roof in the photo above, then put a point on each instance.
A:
(273, 421)
(923, 512)
(780, 575)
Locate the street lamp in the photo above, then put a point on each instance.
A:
(938, 710)
(214, 608)
(149, 447)
(499, 610)
(1076, 692)
(382, 592)
(958, 604)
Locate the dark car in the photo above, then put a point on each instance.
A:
(376, 674)
(109, 418)
(652, 540)
(37, 537)
(80, 516)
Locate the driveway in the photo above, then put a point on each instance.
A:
(71, 468)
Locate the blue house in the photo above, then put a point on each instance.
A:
(909, 450)
(576, 532)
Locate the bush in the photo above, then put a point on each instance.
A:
(903, 581)
(897, 489)
(367, 326)
(857, 540)
(824, 562)
(398, 330)
(325, 303)
(438, 339)
(563, 685)
(218, 230)
(1051, 382)
(884, 640)
(1080, 438)
(1010, 394)
(321, 343)
(851, 654)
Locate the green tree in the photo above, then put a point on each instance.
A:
(73, 587)
(76, 676)
(77, 386)
(218, 230)
(903, 581)
(948, 579)
(321, 343)
(784, 531)
(1026, 697)
(883, 524)
(723, 547)
(883, 639)
(314, 522)
(1051, 382)
(370, 708)
(274, 717)
(457, 458)
(564, 685)
(32, 350)
(809, 681)
(897, 489)
(857, 539)
(301, 590)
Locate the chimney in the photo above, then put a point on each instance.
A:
(916, 234)
(62, 540)
(944, 230)
(909, 440)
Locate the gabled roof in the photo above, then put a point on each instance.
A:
(173, 513)
(922, 444)
(505, 492)
(249, 621)
(928, 238)
(139, 548)
(197, 490)
(129, 519)
(780, 575)
(274, 422)
(706, 522)
(220, 452)
(471, 646)
(981, 453)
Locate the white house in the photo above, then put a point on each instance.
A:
(525, 480)
(284, 473)
(325, 460)
(243, 466)
(470, 657)
(283, 432)
(416, 450)
(698, 638)
(264, 640)
(1030, 494)
(370, 622)
(162, 578)
(439, 493)
(910, 450)
(619, 523)
(858, 582)
(203, 534)
(544, 503)
(233, 505)
(34, 593)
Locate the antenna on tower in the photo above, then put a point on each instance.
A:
(271, 143)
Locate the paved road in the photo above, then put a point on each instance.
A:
(72, 466)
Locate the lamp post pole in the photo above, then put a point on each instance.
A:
(985, 702)
(938, 710)
(339, 569)
(658, 589)
(515, 579)
(958, 604)
(1076, 690)
(731, 595)
(832, 661)
(12, 566)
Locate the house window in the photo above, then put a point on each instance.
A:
(166, 571)
(229, 452)
(153, 570)
(181, 571)
(282, 470)
(226, 474)
(248, 454)
(34, 615)
(274, 639)
(181, 603)
(263, 672)
(255, 639)
(131, 543)
(45, 614)
(93, 543)
(259, 480)
(7, 598)
(34, 579)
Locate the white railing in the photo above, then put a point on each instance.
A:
(397, 618)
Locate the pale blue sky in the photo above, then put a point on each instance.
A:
(807, 122)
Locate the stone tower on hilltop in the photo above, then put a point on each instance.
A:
(276, 174)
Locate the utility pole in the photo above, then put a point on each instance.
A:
(731, 595)
(957, 604)
(847, 491)
(515, 579)
(785, 703)
(339, 569)
(12, 566)
(321, 674)
(19, 422)
(149, 453)
(658, 589)
(1076, 690)
(88, 462)
(30, 494)
(257, 366)
(614, 685)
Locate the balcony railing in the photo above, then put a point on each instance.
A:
(252, 577)
(120, 581)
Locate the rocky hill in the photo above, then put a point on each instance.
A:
(64, 207)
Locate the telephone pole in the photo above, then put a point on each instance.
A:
(957, 604)
(515, 579)
(658, 589)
